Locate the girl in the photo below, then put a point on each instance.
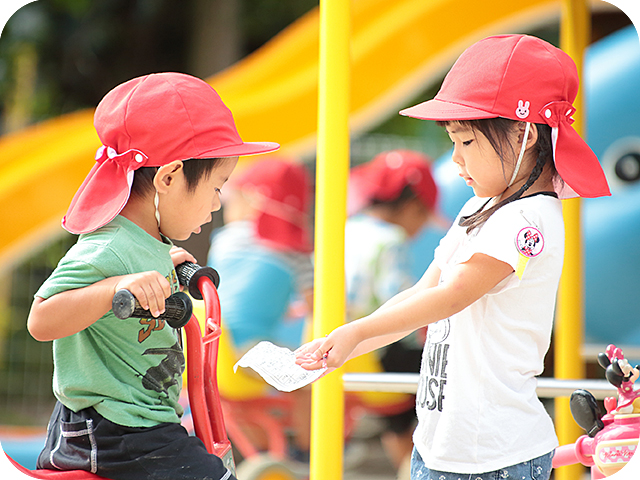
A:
(490, 292)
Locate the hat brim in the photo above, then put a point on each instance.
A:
(241, 149)
(441, 110)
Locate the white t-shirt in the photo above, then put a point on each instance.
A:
(477, 405)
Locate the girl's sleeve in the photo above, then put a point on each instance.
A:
(512, 236)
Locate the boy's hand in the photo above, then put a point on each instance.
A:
(180, 255)
(150, 288)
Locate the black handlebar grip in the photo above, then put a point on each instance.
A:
(189, 273)
(178, 308)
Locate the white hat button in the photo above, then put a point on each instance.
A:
(547, 113)
(138, 158)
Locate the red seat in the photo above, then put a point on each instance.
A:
(55, 474)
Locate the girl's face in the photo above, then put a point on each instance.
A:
(183, 212)
(477, 161)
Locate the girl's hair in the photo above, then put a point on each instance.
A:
(497, 131)
(195, 169)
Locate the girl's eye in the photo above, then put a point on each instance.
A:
(467, 143)
(218, 191)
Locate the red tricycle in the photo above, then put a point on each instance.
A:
(202, 352)
(612, 439)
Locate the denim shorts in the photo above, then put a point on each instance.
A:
(536, 469)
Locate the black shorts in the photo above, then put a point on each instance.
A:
(87, 441)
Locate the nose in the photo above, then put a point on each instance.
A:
(457, 156)
(216, 204)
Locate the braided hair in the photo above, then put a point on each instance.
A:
(496, 130)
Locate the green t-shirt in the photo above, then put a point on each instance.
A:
(128, 370)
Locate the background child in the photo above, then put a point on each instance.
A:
(394, 197)
(263, 254)
(169, 145)
(507, 106)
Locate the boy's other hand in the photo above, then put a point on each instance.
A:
(150, 288)
(180, 255)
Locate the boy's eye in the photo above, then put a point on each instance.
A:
(218, 190)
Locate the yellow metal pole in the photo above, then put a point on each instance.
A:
(332, 168)
(575, 31)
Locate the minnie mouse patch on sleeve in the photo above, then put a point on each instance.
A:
(529, 243)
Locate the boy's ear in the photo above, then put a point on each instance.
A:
(166, 175)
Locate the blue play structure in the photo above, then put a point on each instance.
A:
(610, 224)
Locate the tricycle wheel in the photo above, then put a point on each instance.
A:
(265, 467)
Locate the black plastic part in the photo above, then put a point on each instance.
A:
(586, 412)
(178, 308)
(189, 273)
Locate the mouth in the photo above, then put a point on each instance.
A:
(468, 180)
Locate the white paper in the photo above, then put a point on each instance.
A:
(277, 366)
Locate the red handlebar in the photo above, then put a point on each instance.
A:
(202, 357)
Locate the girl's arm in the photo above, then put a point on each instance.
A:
(429, 279)
(426, 303)
(72, 311)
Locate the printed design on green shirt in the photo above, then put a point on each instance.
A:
(149, 325)
(168, 373)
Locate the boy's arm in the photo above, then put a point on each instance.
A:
(72, 311)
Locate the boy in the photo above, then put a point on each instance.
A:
(169, 145)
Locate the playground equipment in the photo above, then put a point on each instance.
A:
(612, 439)
(202, 355)
(272, 93)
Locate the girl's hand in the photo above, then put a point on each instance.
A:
(331, 351)
(180, 255)
(150, 288)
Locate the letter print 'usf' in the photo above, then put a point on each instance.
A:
(433, 372)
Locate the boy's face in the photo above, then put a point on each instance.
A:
(184, 212)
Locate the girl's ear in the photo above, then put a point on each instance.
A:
(532, 138)
(166, 176)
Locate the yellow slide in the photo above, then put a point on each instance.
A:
(398, 47)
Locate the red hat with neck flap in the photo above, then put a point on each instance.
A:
(151, 121)
(526, 79)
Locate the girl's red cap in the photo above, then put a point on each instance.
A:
(526, 79)
(151, 121)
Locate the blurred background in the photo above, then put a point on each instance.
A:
(59, 57)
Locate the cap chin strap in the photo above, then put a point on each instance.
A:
(156, 201)
(521, 156)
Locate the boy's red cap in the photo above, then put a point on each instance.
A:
(282, 192)
(151, 121)
(387, 174)
(525, 79)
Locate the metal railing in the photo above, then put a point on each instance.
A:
(408, 383)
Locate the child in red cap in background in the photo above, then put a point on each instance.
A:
(264, 255)
(489, 295)
(392, 198)
(169, 146)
